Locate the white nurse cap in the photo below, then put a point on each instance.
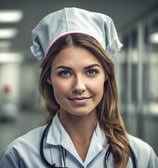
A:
(74, 20)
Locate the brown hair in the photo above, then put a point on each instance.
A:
(107, 110)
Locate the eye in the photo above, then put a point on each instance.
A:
(92, 72)
(65, 73)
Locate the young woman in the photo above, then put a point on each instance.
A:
(77, 81)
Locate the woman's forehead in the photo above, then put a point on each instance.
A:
(74, 56)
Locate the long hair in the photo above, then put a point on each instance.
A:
(108, 114)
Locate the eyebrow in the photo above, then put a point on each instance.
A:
(68, 68)
(93, 65)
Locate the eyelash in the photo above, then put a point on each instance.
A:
(89, 72)
(65, 73)
(92, 72)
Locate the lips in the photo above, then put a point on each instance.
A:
(79, 100)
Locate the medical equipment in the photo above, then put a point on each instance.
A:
(63, 153)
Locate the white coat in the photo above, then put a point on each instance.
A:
(24, 152)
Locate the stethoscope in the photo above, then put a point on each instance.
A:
(63, 153)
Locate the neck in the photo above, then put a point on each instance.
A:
(80, 129)
(79, 125)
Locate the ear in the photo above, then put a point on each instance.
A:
(105, 80)
(106, 77)
(49, 81)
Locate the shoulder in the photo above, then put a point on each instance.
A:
(23, 151)
(138, 144)
(31, 138)
(144, 153)
(22, 148)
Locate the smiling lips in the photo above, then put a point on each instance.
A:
(79, 100)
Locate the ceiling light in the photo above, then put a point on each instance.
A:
(8, 33)
(154, 37)
(7, 16)
(10, 57)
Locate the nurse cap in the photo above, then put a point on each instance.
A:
(74, 20)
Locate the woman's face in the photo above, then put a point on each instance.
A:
(77, 78)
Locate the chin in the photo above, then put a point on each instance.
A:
(81, 112)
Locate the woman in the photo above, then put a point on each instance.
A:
(78, 84)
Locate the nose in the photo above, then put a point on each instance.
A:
(79, 85)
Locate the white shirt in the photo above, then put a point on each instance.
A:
(24, 152)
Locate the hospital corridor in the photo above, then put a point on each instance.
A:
(136, 65)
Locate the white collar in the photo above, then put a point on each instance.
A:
(57, 135)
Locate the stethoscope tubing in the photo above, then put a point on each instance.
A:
(132, 155)
(63, 153)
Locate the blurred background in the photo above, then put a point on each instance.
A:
(136, 65)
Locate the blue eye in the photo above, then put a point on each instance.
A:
(64, 73)
(92, 72)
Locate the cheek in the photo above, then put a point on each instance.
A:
(57, 93)
(97, 87)
(60, 89)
